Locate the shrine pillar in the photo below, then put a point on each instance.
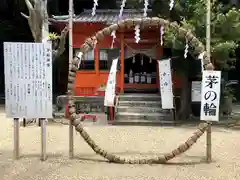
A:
(122, 62)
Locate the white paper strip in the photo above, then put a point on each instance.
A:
(171, 5)
(186, 50)
(161, 34)
(146, 3)
(79, 55)
(111, 84)
(137, 33)
(121, 9)
(201, 59)
(95, 4)
(28, 80)
(210, 101)
(165, 78)
(113, 34)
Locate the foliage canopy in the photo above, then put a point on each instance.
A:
(225, 29)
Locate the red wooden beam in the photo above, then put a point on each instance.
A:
(141, 41)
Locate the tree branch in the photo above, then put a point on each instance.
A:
(61, 46)
(34, 19)
(25, 16)
(38, 23)
(29, 5)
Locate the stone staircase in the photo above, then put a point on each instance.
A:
(141, 109)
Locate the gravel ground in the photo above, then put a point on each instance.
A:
(125, 141)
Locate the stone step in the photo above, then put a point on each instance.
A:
(59, 114)
(142, 116)
(141, 109)
(140, 103)
(140, 97)
(138, 122)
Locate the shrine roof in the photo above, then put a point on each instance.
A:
(108, 16)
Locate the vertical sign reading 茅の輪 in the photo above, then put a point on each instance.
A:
(210, 101)
(28, 80)
(165, 78)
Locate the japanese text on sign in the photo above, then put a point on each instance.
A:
(210, 100)
(111, 84)
(28, 80)
(165, 78)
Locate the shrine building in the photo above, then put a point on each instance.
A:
(137, 70)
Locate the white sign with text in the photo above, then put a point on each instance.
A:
(210, 101)
(165, 78)
(111, 85)
(28, 80)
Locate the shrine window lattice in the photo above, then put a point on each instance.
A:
(106, 57)
(105, 60)
(88, 63)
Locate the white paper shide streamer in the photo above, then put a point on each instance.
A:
(146, 3)
(201, 58)
(161, 34)
(80, 56)
(94, 7)
(94, 44)
(113, 34)
(137, 33)
(122, 7)
(186, 50)
(171, 4)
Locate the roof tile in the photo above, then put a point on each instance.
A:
(110, 16)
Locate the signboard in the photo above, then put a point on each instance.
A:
(28, 80)
(111, 84)
(165, 78)
(210, 101)
(196, 91)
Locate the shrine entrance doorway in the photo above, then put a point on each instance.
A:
(140, 74)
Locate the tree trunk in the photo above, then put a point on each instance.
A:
(185, 99)
(45, 27)
(38, 23)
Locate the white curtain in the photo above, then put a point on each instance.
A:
(130, 52)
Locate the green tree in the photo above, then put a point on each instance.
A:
(225, 34)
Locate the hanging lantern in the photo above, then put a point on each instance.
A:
(122, 7)
(137, 33)
(95, 4)
(161, 34)
(171, 4)
(133, 60)
(186, 50)
(146, 3)
(113, 34)
(142, 60)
